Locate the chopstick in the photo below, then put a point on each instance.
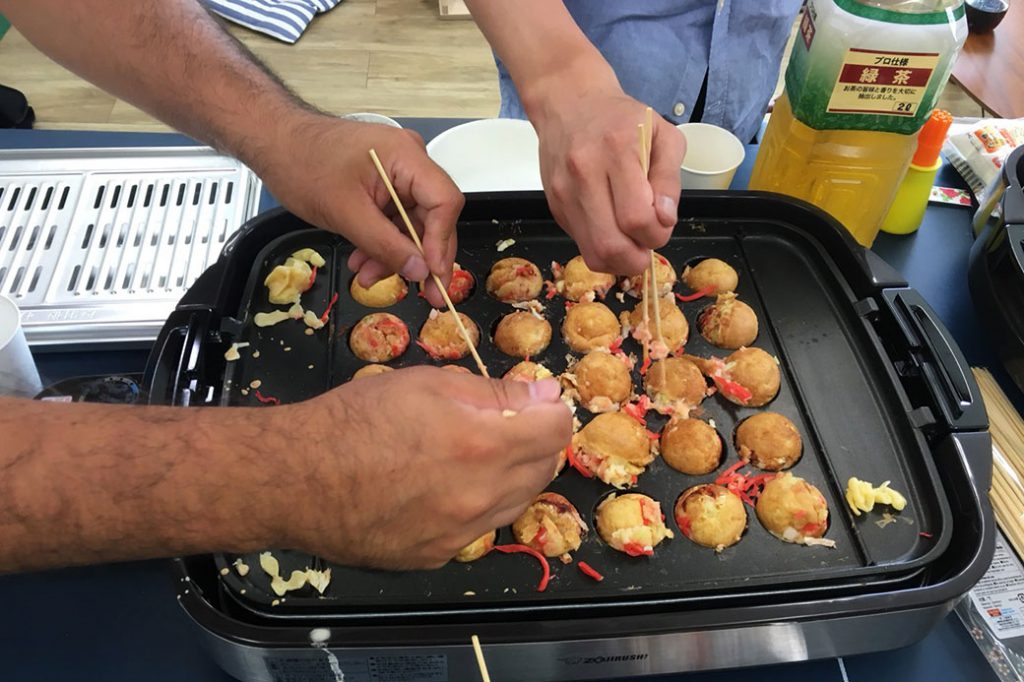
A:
(480, 658)
(645, 132)
(419, 245)
(1007, 429)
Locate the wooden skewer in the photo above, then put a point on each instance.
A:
(480, 659)
(646, 317)
(645, 163)
(437, 280)
(1007, 430)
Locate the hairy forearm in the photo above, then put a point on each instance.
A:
(171, 59)
(544, 50)
(94, 483)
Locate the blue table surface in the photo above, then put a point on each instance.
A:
(121, 622)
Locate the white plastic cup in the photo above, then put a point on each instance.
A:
(18, 374)
(712, 156)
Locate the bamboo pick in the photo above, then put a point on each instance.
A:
(480, 659)
(1007, 429)
(645, 163)
(437, 280)
(646, 318)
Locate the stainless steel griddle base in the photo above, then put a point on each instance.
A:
(583, 659)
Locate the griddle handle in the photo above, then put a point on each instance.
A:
(930, 349)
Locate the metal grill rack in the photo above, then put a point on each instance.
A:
(98, 245)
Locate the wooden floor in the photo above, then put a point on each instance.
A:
(393, 57)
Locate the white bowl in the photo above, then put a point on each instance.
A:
(489, 155)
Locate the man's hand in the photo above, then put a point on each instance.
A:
(589, 146)
(592, 174)
(320, 168)
(403, 469)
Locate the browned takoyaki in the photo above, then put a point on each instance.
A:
(674, 384)
(528, 370)
(478, 548)
(379, 337)
(371, 371)
(691, 446)
(522, 334)
(575, 281)
(590, 325)
(614, 447)
(514, 279)
(441, 338)
(711, 276)
(461, 285)
(384, 293)
(663, 271)
(728, 323)
(711, 515)
(793, 510)
(632, 524)
(601, 380)
(552, 526)
(768, 441)
(674, 327)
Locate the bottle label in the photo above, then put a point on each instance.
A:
(859, 67)
(877, 82)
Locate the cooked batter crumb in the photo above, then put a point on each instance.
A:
(224, 571)
(232, 353)
(241, 591)
(255, 354)
(275, 602)
(309, 367)
(505, 243)
(287, 349)
(255, 383)
(469, 593)
(245, 391)
(241, 567)
(309, 332)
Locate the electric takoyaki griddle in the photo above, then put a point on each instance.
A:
(873, 382)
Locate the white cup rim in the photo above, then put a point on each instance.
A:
(728, 139)
(8, 311)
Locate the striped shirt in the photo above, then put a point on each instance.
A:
(285, 20)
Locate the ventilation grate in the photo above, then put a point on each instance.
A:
(99, 245)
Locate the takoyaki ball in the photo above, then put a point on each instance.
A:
(371, 371)
(614, 447)
(632, 524)
(522, 334)
(379, 337)
(458, 369)
(560, 464)
(711, 275)
(590, 325)
(691, 446)
(552, 526)
(758, 372)
(769, 441)
(672, 381)
(602, 381)
(578, 280)
(386, 292)
(461, 285)
(527, 370)
(478, 548)
(711, 515)
(664, 272)
(441, 338)
(674, 327)
(793, 510)
(514, 279)
(728, 323)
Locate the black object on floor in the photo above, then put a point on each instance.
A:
(15, 111)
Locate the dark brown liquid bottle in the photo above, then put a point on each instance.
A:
(984, 15)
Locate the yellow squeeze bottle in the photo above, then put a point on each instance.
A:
(911, 200)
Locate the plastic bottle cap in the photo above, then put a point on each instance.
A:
(931, 137)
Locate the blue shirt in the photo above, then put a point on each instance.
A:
(661, 50)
